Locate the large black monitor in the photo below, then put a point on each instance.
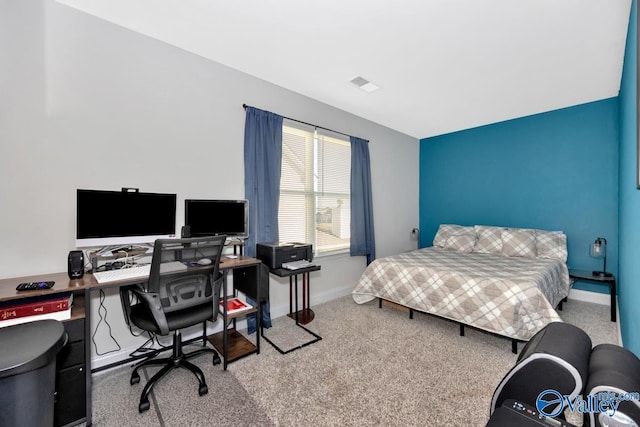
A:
(123, 217)
(216, 217)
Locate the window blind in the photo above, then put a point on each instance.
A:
(315, 188)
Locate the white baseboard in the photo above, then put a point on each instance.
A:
(108, 359)
(587, 296)
(597, 298)
(280, 310)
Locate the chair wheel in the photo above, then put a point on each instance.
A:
(135, 378)
(216, 359)
(203, 390)
(143, 406)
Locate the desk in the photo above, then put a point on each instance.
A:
(81, 317)
(588, 276)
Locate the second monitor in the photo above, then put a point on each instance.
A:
(215, 217)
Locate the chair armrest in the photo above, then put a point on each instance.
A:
(152, 301)
(125, 301)
(217, 290)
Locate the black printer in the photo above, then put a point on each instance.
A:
(275, 253)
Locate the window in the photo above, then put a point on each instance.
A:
(315, 188)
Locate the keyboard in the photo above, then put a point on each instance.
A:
(296, 265)
(139, 271)
(172, 266)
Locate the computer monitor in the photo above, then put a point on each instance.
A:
(215, 217)
(123, 217)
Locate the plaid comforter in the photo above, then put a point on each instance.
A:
(509, 296)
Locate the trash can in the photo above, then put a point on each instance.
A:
(28, 372)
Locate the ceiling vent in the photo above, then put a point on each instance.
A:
(364, 84)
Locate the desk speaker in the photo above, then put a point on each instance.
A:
(75, 266)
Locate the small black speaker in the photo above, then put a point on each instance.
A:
(75, 267)
(185, 232)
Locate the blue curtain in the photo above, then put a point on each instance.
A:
(362, 235)
(262, 161)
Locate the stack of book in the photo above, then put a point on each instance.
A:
(235, 305)
(56, 306)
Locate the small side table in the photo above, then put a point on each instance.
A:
(588, 276)
(303, 316)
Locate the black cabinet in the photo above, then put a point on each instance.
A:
(70, 401)
(252, 281)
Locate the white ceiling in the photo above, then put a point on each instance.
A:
(441, 65)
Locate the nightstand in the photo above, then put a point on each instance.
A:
(588, 276)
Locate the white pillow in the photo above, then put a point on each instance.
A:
(461, 240)
(551, 244)
(489, 239)
(443, 232)
(519, 242)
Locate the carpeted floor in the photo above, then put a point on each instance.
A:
(372, 367)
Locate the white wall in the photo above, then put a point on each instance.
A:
(108, 108)
(22, 130)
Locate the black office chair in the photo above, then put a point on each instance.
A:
(183, 290)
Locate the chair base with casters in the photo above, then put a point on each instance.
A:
(177, 360)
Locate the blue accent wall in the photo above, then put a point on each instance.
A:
(553, 171)
(629, 246)
(574, 169)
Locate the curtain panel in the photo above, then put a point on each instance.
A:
(262, 162)
(362, 234)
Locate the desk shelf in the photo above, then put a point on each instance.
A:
(78, 309)
(249, 280)
(239, 314)
(237, 345)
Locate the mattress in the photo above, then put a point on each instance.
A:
(510, 296)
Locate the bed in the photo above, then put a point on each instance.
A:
(502, 280)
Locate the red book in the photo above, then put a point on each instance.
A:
(35, 306)
(235, 305)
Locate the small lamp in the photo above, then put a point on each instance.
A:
(598, 249)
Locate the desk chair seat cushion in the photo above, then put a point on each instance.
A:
(557, 358)
(614, 369)
(142, 317)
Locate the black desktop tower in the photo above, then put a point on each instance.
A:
(75, 266)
